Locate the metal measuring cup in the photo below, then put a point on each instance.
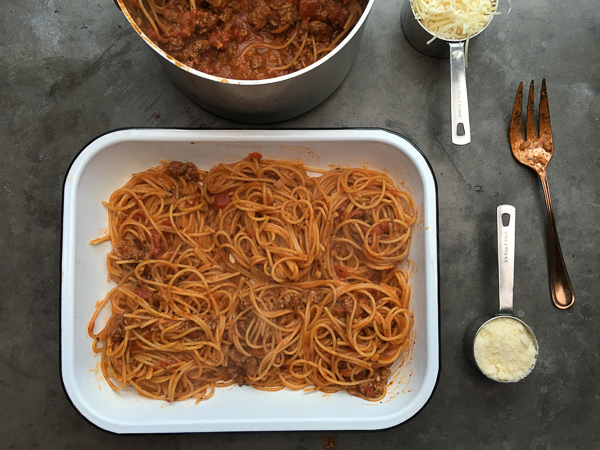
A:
(506, 264)
(418, 36)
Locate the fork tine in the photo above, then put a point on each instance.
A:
(545, 129)
(516, 121)
(530, 125)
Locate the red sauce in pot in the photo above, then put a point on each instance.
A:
(246, 39)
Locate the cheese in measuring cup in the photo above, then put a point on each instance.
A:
(454, 19)
(504, 350)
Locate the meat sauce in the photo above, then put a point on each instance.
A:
(246, 39)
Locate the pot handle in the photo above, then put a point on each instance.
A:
(461, 129)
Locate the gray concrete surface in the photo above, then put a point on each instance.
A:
(69, 72)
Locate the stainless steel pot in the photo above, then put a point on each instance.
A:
(263, 101)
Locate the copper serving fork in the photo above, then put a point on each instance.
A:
(536, 153)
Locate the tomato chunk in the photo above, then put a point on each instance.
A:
(336, 15)
(221, 200)
(157, 245)
(383, 227)
(308, 9)
(254, 155)
(341, 271)
(142, 292)
(219, 38)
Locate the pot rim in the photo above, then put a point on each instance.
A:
(169, 58)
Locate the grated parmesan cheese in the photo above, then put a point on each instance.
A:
(454, 19)
(504, 350)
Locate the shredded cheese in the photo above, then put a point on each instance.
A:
(454, 19)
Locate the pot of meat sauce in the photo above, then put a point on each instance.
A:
(228, 40)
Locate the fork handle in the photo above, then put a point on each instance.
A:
(560, 283)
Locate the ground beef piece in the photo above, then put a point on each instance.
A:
(376, 388)
(258, 16)
(129, 250)
(304, 24)
(236, 357)
(188, 171)
(320, 30)
(288, 16)
(171, 14)
(348, 305)
(200, 46)
(117, 332)
(211, 322)
(291, 301)
(242, 35)
(242, 365)
(176, 169)
(205, 21)
(226, 15)
(251, 366)
(193, 53)
(236, 366)
(237, 375)
(231, 50)
(255, 61)
(242, 326)
(176, 42)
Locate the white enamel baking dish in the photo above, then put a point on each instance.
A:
(108, 162)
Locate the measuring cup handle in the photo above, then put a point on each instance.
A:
(461, 128)
(506, 256)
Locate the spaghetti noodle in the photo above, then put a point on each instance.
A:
(246, 39)
(255, 273)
